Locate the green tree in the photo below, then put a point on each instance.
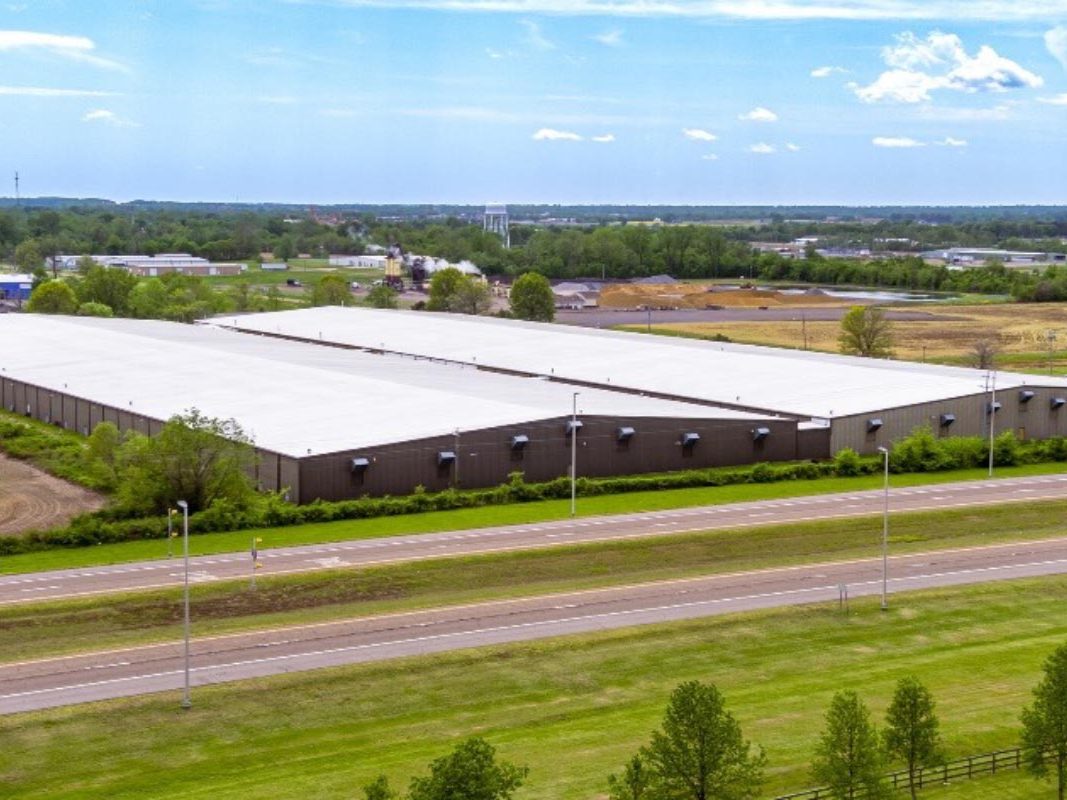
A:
(911, 733)
(1045, 723)
(700, 753)
(470, 772)
(148, 299)
(109, 286)
(443, 287)
(52, 297)
(531, 298)
(848, 759)
(634, 784)
(103, 444)
(865, 332)
(382, 296)
(95, 310)
(194, 458)
(471, 297)
(379, 789)
(331, 290)
(28, 257)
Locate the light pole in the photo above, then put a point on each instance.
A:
(991, 381)
(186, 701)
(170, 532)
(574, 450)
(885, 531)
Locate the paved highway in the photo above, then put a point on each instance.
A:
(57, 584)
(80, 678)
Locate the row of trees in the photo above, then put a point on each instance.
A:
(608, 251)
(699, 752)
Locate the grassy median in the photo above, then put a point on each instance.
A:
(95, 623)
(572, 708)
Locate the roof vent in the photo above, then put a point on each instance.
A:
(947, 420)
(992, 408)
(359, 465)
(874, 424)
(690, 439)
(446, 458)
(1025, 396)
(573, 425)
(519, 441)
(759, 434)
(624, 434)
(1057, 402)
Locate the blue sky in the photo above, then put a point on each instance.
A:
(550, 101)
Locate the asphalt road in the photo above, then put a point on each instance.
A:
(38, 586)
(81, 678)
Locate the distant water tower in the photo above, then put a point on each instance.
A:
(496, 221)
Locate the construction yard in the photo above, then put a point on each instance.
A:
(34, 500)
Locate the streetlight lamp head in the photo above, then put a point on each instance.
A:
(883, 450)
(183, 505)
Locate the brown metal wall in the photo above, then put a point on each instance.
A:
(1032, 420)
(485, 458)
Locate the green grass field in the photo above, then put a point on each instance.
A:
(489, 516)
(111, 621)
(573, 708)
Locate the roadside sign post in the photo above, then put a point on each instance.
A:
(255, 558)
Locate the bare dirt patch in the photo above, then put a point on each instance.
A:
(701, 296)
(33, 500)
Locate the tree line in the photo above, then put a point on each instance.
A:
(586, 251)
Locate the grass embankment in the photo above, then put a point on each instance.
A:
(573, 708)
(488, 516)
(105, 622)
(948, 336)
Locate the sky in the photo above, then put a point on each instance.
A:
(704, 102)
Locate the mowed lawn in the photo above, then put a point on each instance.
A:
(573, 709)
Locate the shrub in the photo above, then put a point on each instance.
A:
(847, 463)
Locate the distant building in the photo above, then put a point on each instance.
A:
(358, 262)
(15, 287)
(154, 266)
(979, 256)
(495, 221)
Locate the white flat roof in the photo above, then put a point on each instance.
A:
(293, 398)
(807, 384)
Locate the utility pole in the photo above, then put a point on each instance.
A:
(18, 201)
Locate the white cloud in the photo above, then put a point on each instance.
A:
(612, 38)
(75, 48)
(1057, 100)
(1056, 42)
(535, 37)
(709, 157)
(956, 10)
(109, 118)
(940, 61)
(552, 135)
(604, 138)
(949, 141)
(826, 72)
(699, 135)
(763, 149)
(792, 148)
(896, 142)
(759, 114)
(42, 91)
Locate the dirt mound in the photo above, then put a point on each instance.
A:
(34, 500)
(700, 296)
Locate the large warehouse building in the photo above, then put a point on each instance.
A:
(337, 423)
(860, 403)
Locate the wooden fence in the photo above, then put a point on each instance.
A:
(967, 767)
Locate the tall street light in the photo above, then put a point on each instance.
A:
(186, 701)
(991, 384)
(574, 450)
(885, 531)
